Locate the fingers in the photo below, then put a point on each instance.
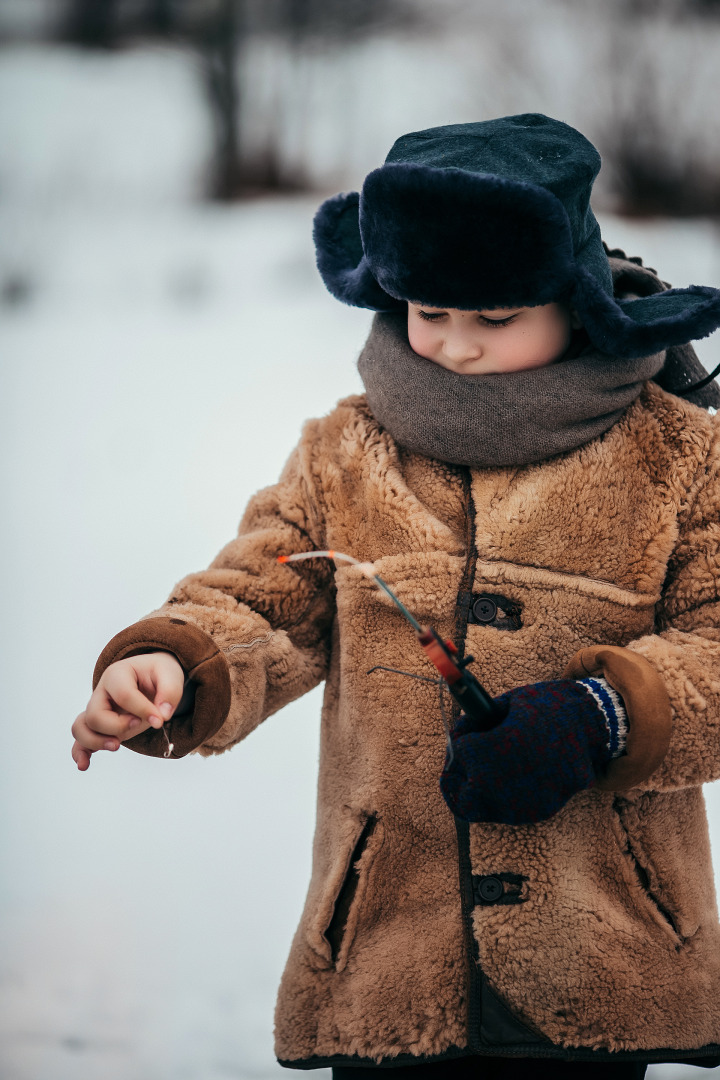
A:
(169, 683)
(99, 729)
(81, 756)
(88, 740)
(120, 683)
(132, 695)
(159, 678)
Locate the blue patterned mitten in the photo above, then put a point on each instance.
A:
(555, 738)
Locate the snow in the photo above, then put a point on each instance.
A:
(159, 361)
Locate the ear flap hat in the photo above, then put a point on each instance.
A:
(495, 214)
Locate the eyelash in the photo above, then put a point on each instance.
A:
(434, 316)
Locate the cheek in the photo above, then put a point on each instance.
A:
(423, 338)
(548, 343)
(561, 334)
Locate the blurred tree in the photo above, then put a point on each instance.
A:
(92, 23)
(652, 181)
(335, 18)
(108, 23)
(672, 9)
(661, 158)
(221, 30)
(218, 39)
(162, 17)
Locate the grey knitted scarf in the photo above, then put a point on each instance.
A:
(494, 420)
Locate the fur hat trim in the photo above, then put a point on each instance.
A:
(506, 241)
(340, 258)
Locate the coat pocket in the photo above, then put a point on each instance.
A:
(336, 920)
(640, 875)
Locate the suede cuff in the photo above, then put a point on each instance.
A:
(204, 666)
(647, 705)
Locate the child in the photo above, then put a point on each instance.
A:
(518, 475)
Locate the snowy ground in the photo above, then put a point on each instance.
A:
(159, 359)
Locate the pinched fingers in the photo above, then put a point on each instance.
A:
(132, 695)
(116, 711)
(161, 679)
(121, 685)
(100, 728)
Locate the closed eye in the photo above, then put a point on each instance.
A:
(434, 316)
(497, 322)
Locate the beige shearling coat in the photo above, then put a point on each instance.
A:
(604, 942)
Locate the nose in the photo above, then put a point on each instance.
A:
(461, 346)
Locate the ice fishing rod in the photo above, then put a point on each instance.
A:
(470, 694)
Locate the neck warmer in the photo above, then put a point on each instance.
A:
(485, 421)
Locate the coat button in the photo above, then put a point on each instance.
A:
(484, 609)
(490, 889)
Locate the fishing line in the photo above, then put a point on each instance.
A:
(472, 697)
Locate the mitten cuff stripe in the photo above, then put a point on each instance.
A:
(613, 709)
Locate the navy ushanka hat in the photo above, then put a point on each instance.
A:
(489, 215)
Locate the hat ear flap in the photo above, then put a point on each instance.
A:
(649, 324)
(340, 257)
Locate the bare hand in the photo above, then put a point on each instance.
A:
(133, 695)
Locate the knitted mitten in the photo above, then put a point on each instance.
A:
(554, 739)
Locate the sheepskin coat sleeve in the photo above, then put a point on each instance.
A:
(686, 648)
(590, 936)
(250, 634)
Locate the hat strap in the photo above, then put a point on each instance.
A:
(698, 385)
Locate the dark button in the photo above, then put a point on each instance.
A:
(484, 609)
(490, 889)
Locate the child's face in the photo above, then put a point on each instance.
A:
(492, 341)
